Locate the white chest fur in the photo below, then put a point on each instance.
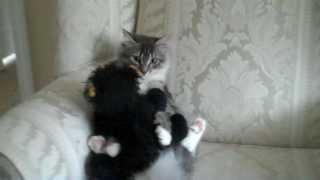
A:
(154, 79)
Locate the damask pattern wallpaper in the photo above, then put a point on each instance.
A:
(250, 67)
(90, 30)
(243, 65)
(312, 113)
(128, 13)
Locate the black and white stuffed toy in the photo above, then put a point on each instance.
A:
(127, 95)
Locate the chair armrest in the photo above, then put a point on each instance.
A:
(45, 137)
(8, 170)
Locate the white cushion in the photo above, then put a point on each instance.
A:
(243, 162)
(46, 137)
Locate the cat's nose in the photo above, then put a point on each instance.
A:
(143, 70)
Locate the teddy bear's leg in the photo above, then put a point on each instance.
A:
(157, 98)
(179, 128)
(99, 145)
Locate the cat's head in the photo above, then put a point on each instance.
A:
(151, 55)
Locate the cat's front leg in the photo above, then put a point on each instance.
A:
(99, 145)
(195, 133)
(165, 137)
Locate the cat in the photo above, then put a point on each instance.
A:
(126, 95)
(176, 163)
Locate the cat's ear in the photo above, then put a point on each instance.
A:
(166, 42)
(127, 36)
(127, 39)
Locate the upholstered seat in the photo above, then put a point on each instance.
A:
(247, 162)
(251, 68)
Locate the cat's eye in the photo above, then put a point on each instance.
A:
(135, 59)
(155, 60)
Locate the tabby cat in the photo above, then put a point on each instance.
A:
(132, 107)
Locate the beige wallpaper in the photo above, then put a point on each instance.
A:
(251, 68)
(65, 35)
(41, 21)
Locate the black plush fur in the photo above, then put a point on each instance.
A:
(121, 112)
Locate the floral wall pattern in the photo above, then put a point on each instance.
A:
(241, 66)
(312, 113)
(90, 30)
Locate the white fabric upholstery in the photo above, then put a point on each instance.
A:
(7, 170)
(247, 66)
(243, 162)
(45, 137)
(251, 67)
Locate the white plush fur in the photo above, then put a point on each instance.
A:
(154, 79)
(164, 136)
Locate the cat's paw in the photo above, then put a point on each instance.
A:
(99, 145)
(198, 126)
(195, 133)
(164, 136)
